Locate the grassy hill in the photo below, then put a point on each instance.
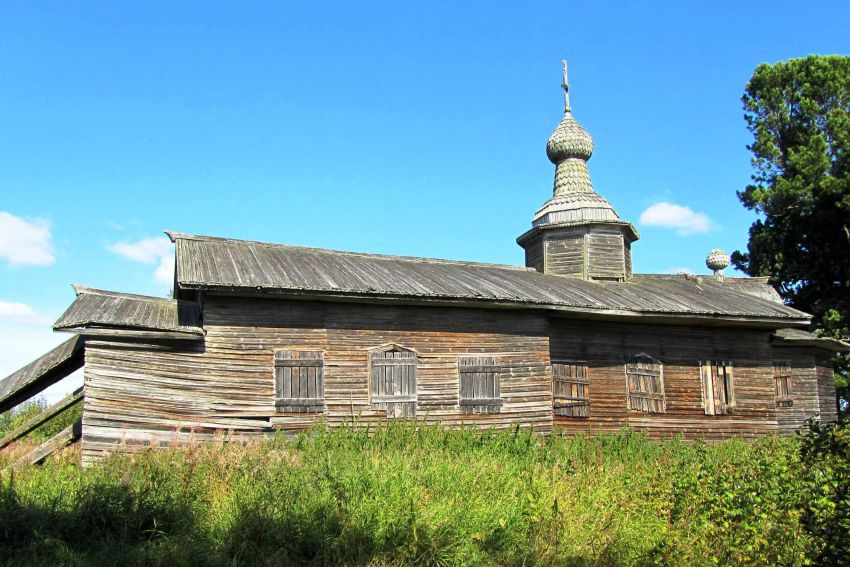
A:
(409, 494)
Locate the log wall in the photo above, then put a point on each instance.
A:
(137, 394)
(827, 398)
(604, 346)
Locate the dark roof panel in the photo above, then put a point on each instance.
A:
(226, 264)
(44, 371)
(799, 337)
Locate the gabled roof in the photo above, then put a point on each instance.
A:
(239, 266)
(42, 372)
(99, 309)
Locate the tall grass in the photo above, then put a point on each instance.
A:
(412, 495)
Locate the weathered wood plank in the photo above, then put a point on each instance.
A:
(36, 421)
(58, 441)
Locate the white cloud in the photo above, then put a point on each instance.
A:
(157, 250)
(164, 273)
(21, 313)
(25, 242)
(146, 251)
(669, 215)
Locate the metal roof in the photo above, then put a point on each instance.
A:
(44, 371)
(244, 266)
(107, 309)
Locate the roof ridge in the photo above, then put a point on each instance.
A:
(755, 279)
(175, 236)
(85, 290)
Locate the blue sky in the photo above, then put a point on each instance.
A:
(312, 123)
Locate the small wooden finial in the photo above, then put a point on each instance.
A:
(566, 87)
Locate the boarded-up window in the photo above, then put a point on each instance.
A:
(299, 381)
(718, 394)
(645, 384)
(570, 388)
(480, 390)
(782, 380)
(393, 382)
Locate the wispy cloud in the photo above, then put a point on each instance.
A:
(21, 313)
(682, 219)
(157, 250)
(164, 273)
(25, 242)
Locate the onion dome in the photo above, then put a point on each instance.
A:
(569, 141)
(573, 198)
(717, 261)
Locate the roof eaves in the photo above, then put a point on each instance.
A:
(496, 301)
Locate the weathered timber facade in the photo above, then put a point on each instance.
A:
(145, 390)
(264, 338)
(227, 383)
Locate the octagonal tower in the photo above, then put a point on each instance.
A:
(577, 232)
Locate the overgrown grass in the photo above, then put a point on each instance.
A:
(11, 420)
(16, 417)
(421, 495)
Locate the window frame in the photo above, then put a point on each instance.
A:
(632, 367)
(783, 372)
(395, 406)
(479, 370)
(310, 367)
(581, 382)
(707, 375)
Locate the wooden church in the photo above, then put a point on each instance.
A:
(261, 338)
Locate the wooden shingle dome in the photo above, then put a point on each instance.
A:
(577, 232)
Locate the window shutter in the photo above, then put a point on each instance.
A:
(480, 390)
(570, 389)
(717, 387)
(783, 381)
(299, 381)
(645, 384)
(393, 382)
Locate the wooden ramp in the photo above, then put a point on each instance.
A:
(37, 421)
(58, 441)
(42, 372)
(33, 379)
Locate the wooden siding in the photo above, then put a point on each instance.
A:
(605, 346)
(142, 393)
(534, 254)
(827, 398)
(605, 256)
(565, 255)
(804, 389)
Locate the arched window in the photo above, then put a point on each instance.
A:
(393, 381)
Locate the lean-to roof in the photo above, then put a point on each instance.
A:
(227, 265)
(44, 371)
(95, 308)
(799, 337)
